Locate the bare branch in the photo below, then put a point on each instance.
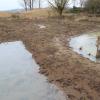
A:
(58, 5)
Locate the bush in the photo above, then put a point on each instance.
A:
(92, 6)
(76, 10)
(15, 16)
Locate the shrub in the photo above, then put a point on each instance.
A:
(15, 16)
(92, 6)
(76, 10)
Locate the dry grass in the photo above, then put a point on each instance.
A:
(5, 14)
(36, 13)
(29, 14)
(40, 13)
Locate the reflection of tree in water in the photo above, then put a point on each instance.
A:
(98, 47)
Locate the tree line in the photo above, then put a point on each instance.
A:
(29, 4)
(91, 6)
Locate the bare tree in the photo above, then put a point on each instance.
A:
(25, 5)
(28, 4)
(92, 6)
(74, 3)
(39, 3)
(58, 5)
(82, 3)
(33, 3)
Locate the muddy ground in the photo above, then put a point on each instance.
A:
(77, 76)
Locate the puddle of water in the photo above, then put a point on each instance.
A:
(20, 78)
(86, 45)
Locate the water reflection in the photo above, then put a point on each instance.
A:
(87, 45)
(19, 77)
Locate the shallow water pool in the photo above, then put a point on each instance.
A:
(20, 78)
(86, 45)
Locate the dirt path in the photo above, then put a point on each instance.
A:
(77, 76)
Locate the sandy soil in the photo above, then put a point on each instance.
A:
(77, 76)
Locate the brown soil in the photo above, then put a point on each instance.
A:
(77, 76)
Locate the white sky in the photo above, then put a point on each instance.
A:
(15, 4)
(9, 4)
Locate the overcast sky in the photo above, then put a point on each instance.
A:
(15, 4)
(9, 4)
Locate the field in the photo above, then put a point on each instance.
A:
(78, 77)
(4, 14)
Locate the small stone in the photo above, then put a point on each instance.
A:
(80, 48)
(89, 54)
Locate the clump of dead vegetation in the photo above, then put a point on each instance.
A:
(15, 16)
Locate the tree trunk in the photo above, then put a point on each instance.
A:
(25, 3)
(39, 3)
(32, 3)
